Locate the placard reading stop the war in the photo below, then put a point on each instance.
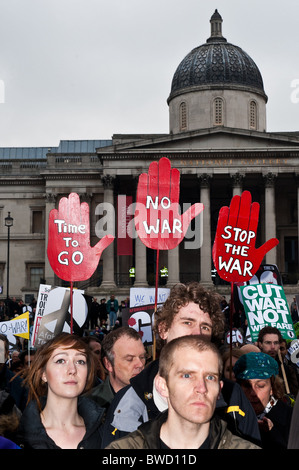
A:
(234, 253)
(266, 305)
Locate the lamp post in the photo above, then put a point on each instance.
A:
(8, 224)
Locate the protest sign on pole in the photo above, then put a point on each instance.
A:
(267, 273)
(234, 253)
(53, 313)
(17, 326)
(158, 219)
(266, 305)
(140, 314)
(293, 351)
(237, 337)
(69, 252)
(235, 256)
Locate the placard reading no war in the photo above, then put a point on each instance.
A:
(266, 305)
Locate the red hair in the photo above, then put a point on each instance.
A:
(33, 379)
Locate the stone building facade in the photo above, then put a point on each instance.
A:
(217, 139)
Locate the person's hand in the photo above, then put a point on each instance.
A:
(265, 424)
(158, 219)
(69, 252)
(234, 254)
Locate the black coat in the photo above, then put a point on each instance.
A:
(33, 435)
(277, 438)
(14, 385)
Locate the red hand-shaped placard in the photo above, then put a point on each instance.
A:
(158, 220)
(69, 252)
(234, 254)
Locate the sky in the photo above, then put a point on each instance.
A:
(88, 69)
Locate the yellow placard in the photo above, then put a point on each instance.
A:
(24, 316)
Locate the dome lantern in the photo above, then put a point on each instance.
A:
(216, 27)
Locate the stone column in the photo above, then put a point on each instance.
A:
(108, 282)
(50, 204)
(140, 251)
(237, 181)
(270, 216)
(140, 264)
(206, 249)
(173, 266)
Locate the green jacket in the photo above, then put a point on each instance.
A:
(148, 434)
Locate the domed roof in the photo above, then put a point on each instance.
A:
(216, 64)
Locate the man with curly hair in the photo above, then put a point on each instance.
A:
(189, 310)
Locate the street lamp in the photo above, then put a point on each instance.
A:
(8, 224)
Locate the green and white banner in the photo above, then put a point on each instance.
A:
(266, 305)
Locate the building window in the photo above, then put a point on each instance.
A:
(183, 116)
(36, 274)
(252, 115)
(37, 221)
(218, 112)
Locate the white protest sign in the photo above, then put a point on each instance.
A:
(146, 296)
(53, 312)
(266, 305)
(237, 337)
(18, 326)
(141, 313)
(294, 352)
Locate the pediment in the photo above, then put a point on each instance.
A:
(207, 139)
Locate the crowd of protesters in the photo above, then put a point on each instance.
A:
(192, 388)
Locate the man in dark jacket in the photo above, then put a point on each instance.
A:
(189, 310)
(269, 342)
(189, 376)
(123, 356)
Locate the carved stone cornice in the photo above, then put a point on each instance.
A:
(73, 176)
(27, 182)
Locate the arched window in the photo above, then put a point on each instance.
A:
(252, 115)
(218, 112)
(183, 116)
